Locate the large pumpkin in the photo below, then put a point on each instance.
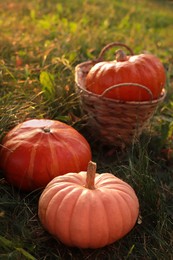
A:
(88, 210)
(36, 151)
(143, 69)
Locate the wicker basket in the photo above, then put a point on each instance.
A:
(113, 122)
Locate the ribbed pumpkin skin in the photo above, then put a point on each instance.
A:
(87, 218)
(144, 69)
(36, 151)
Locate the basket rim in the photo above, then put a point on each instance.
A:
(83, 89)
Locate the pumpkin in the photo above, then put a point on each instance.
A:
(143, 69)
(87, 209)
(37, 150)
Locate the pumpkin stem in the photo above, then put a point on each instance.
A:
(91, 171)
(120, 55)
(46, 129)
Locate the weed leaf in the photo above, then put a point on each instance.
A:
(47, 83)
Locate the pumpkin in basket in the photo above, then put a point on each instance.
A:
(87, 209)
(143, 69)
(37, 150)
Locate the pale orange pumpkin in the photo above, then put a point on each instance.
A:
(87, 209)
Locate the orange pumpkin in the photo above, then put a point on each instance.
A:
(143, 69)
(36, 151)
(87, 209)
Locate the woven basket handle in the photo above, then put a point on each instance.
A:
(110, 45)
(127, 84)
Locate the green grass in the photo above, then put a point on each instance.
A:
(41, 43)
